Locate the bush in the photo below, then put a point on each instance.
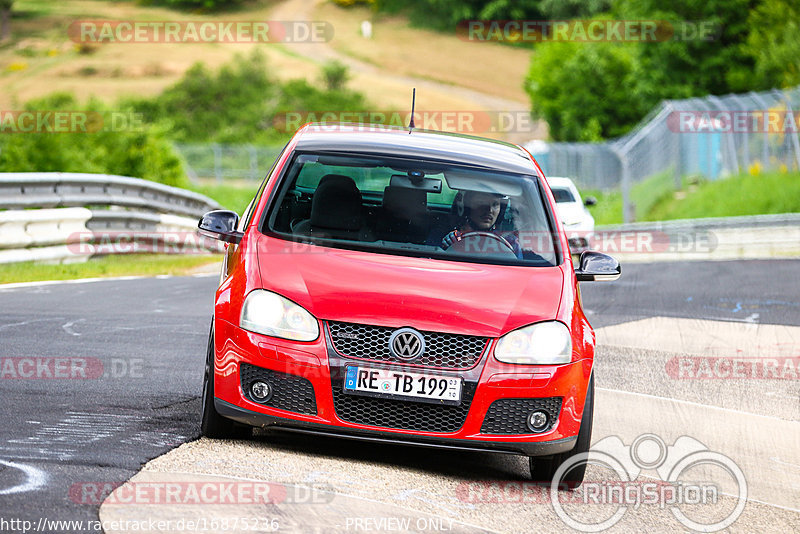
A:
(137, 152)
(230, 106)
(240, 103)
(205, 5)
(335, 75)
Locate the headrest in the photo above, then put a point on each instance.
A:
(336, 204)
(404, 203)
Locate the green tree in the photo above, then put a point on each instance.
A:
(131, 151)
(703, 54)
(585, 92)
(774, 43)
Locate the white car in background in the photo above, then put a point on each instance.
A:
(577, 221)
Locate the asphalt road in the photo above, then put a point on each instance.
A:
(141, 346)
(136, 350)
(760, 291)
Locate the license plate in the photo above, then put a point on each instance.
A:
(391, 383)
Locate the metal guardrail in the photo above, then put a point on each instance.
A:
(717, 238)
(710, 223)
(80, 215)
(55, 189)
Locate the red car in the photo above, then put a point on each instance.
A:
(404, 286)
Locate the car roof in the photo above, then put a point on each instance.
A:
(560, 181)
(416, 143)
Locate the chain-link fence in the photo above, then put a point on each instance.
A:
(227, 162)
(713, 137)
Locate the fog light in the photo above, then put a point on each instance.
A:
(537, 421)
(261, 391)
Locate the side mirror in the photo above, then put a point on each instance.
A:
(590, 201)
(220, 224)
(596, 266)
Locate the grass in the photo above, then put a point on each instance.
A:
(55, 63)
(656, 200)
(644, 196)
(41, 58)
(741, 195)
(400, 48)
(121, 265)
(608, 209)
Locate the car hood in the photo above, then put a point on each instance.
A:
(388, 290)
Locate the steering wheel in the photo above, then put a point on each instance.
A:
(489, 235)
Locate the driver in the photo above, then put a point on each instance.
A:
(480, 214)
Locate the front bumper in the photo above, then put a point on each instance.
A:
(262, 420)
(317, 368)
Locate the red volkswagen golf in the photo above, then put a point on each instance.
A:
(404, 286)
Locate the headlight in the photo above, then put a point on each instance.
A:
(547, 343)
(270, 314)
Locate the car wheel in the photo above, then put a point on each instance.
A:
(213, 425)
(543, 468)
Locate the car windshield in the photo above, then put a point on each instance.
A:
(562, 194)
(412, 207)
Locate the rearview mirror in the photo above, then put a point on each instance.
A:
(596, 266)
(220, 224)
(590, 201)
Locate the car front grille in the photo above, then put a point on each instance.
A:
(289, 392)
(444, 351)
(400, 414)
(509, 416)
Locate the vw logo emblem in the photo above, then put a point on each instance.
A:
(406, 344)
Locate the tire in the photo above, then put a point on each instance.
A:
(543, 468)
(212, 424)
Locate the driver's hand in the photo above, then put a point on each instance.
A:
(451, 238)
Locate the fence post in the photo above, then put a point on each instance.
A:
(765, 147)
(626, 184)
(677, 169)
(253, 162)
(793, 135)
(217, 162)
